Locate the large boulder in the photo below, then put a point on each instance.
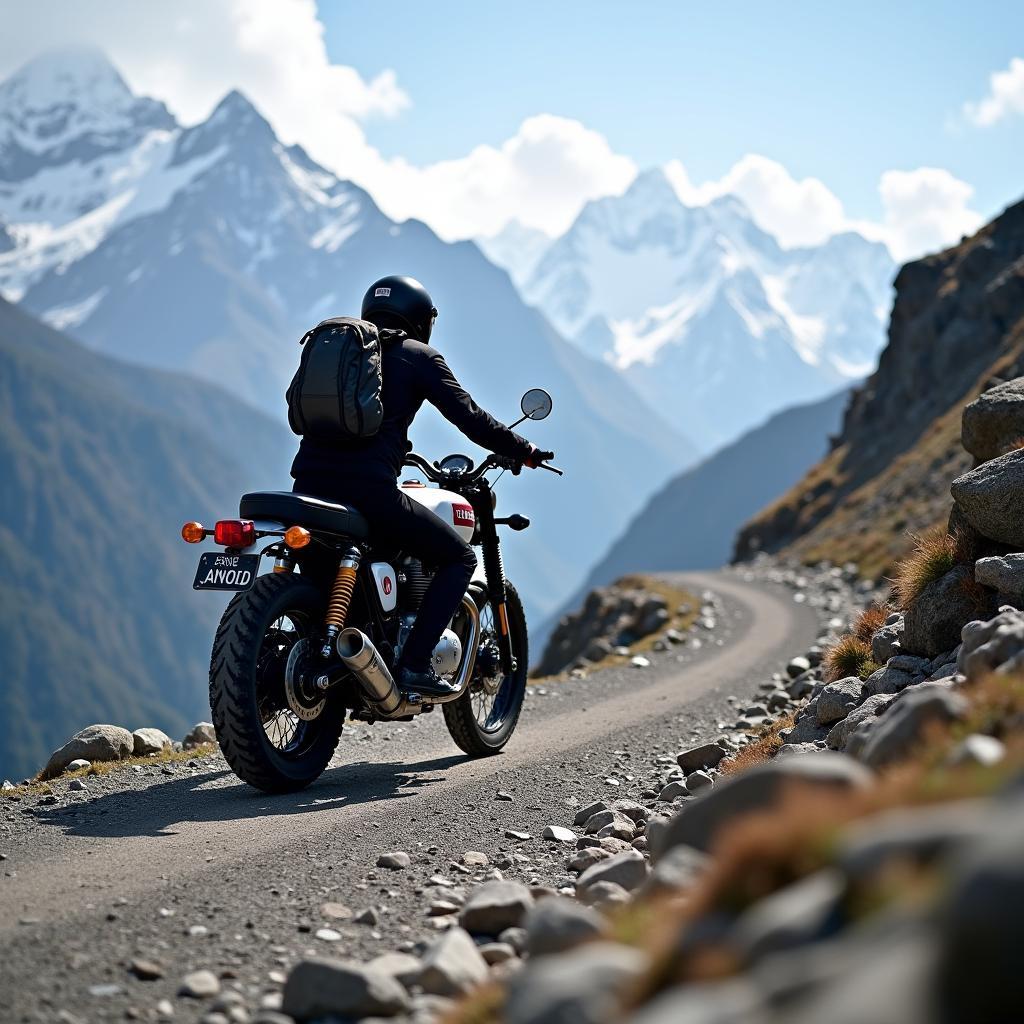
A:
(150, 741)
(1003, 573)
(319, 988)
(932, 623)
(94, 743)
(996, 645)
(698, 823)
(903, 727)
(989, 498)
(994, 421)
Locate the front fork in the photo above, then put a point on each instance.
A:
(494, 571)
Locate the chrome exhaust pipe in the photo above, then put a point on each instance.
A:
(356, 650)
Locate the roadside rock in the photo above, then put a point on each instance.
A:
(403, 967)
(94, 743)
(932, 624)
(399, 860)
(989, 498)
(320, 988)
(707, 755)
(995, 645)
(582, 986)
(806, 729)
(904, 725)
(887, 680)
(887, 641)
(453, 965)
(977, 749)
(200, 985)
(1004, 574)
(838, 699)
(678, 869)
(201, 733)
(495, 906)
(697, 823)
(628, 869)
(557, 924)
(584, 814)
(994, 420)
(797, 666)
(697, 782)
(559, 834)
(874, 706)
(150, 741)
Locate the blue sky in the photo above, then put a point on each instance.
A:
(842, 92)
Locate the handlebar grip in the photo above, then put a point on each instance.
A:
(551, 469)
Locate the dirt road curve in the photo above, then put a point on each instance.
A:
(132, 867)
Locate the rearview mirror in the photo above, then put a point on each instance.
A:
(536, 404)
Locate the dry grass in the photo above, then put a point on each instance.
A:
(40, 787)
(763, 748)
(484, 1005)
(869, 622)
(935, 553)
(848, 656)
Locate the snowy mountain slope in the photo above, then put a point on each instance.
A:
(220, 253)
(706, 313)
(516, 248)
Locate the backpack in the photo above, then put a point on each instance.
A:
(335, 394)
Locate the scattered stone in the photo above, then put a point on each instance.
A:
(996, 645)
(399, 860)
(673, 791)
(327, 935)
(475, 859)
(199, 984)
(559, 834)
(678, 869)
(501, 795)
(404, 967)
(639, 661)
(146, 970)
(628, 869)
(497, 952)
(887, 641)
(495, 906)
(587, 857)
(605, 896)
(94, 743)
(519, 837)
(697, 782)
(200, 734)
(77, 765)
(77, 786)
(322, 988)
(453, 965)
(369, 916)
(150, 741)
(707, 755)
(797, 666)
(903, 726)
(336, 911)
(872, 707)
(977, 749)
(887, 680)
(584, 814)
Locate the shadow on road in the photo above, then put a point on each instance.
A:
(155, 810)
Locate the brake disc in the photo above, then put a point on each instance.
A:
(300, 659)
(489, 663)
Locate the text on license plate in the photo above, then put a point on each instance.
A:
(219, 571)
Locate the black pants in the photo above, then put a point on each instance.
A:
(399, 522)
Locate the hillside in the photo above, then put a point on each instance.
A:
(957, 328)
(101, 463)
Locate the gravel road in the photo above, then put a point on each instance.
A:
(186, 867)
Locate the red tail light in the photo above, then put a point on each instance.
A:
(235, 533)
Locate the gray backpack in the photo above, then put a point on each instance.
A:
(335, 393)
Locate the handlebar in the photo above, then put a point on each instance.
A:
(432, 472)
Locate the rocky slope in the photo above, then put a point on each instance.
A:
(102, 462)
(957, 327)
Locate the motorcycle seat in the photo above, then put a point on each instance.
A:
(304, 510)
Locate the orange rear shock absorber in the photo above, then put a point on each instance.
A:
(341, 598)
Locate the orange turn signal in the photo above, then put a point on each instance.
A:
(193, 533)
(297, 536)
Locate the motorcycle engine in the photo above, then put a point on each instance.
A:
(447, 654)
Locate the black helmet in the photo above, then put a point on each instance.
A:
(400, 302)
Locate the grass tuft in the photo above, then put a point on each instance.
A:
(935, 553)
(869, 622)
(763, 748)
(848, 656)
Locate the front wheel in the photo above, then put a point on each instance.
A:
(272, 734)
(483, 719)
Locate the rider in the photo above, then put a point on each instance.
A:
(364, 473)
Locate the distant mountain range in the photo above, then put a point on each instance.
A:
(211, 249)
(102, 462)
(714, 322)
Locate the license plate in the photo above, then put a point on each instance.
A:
(220, 571)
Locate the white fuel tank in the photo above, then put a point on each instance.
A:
(448, 506)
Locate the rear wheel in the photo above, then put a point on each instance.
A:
(273, 735)
(483, 719)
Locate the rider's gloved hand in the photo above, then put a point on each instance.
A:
(537, 456)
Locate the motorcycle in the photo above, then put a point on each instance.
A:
(315, 641)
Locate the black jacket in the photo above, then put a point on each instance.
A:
(413, 373)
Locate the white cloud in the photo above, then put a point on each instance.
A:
(1005, 96)
(925, 210)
